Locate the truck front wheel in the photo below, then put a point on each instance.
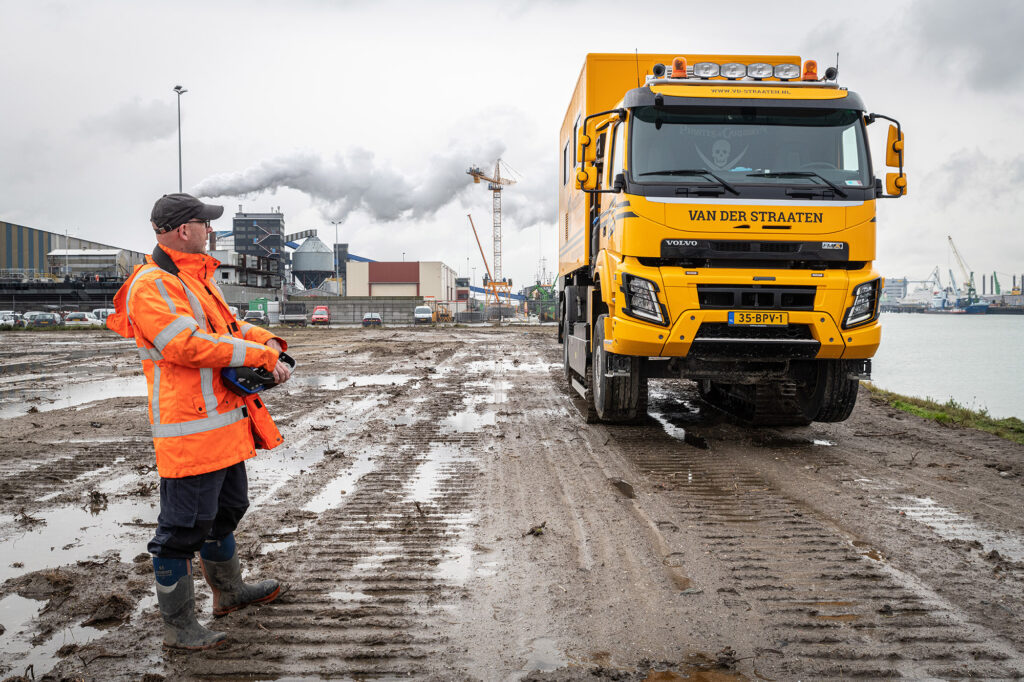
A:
(617, 384)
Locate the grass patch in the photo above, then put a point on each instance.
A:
(952, 413)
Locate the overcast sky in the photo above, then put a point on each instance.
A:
(370, 112)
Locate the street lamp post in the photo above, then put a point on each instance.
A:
(181, 91)
(336, 280)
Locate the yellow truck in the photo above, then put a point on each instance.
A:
(717, 223)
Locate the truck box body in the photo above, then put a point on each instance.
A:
(733, 226)
(293, 313)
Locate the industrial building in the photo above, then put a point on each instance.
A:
(427, 279)
(30, 253)
(261, 234)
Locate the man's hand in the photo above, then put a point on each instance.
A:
(281, 370)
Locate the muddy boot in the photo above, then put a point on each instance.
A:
(225, 579)
(178, 610)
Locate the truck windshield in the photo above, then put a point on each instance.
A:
(749, 146)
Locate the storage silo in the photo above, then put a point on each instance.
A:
(312, 263)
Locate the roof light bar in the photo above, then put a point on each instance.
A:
(737, 70)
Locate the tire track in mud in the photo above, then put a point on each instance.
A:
(38, 481)
(829, 608)
(373, 584)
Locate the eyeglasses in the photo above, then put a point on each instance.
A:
(200, 222)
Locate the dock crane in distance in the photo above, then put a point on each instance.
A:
(496, 184)
(493, 287)
(972, 294)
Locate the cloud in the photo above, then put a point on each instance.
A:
(980, 40)
(135, 122)
(972, 177)
(342, 184)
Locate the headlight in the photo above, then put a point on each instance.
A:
(787, 71)
(760, 70)
(705, 70)
(865, 305)
(734, 70)
(641, 299)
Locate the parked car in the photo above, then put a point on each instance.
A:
(8, 321)
(321, 315)
(82, 320)
(256, 317)
(422, 314)
(39, 320)
(103, 313)
(234, 311)
(372, 320)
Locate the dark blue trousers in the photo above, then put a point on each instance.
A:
(197, 508)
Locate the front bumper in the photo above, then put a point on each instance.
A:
(823, 336)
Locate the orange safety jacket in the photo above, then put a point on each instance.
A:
(185, 333)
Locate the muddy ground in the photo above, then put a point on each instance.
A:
(440, 511)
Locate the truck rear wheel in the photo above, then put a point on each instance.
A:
(617, 387)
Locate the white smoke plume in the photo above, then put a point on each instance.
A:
(355, 182)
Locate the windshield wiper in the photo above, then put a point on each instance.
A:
(799, 174)
(694, 171)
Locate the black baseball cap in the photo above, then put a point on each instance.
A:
(172, 210)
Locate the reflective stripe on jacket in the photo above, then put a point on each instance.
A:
(185, 333)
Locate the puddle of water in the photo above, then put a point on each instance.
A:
(495, 392)
(950, 525)
(69, 534)
(467, 421)
(457, 566)
(337, 383)
(71, 395)
(542, 654)
(348, 596)
(501, 365)
(333, 494)
(16, 614)
(428, 475)
(671, 429)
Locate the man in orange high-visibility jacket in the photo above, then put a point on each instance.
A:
(201, 430)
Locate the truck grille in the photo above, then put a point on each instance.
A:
(722, 330)
(718, 340)
(714, 297)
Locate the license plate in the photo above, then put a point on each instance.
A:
(751, 319)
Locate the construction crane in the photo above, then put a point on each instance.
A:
(494, 287)
(972, 294)
(495, 183)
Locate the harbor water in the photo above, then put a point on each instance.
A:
(976, 360)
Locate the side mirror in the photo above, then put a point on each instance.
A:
(894, 148)
(619, 184)
(585, 148)
(586, 178)
(896, 183)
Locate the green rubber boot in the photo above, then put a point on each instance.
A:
(230, 592)
(178, 610)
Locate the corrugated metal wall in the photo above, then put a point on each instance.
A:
(25, 248)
